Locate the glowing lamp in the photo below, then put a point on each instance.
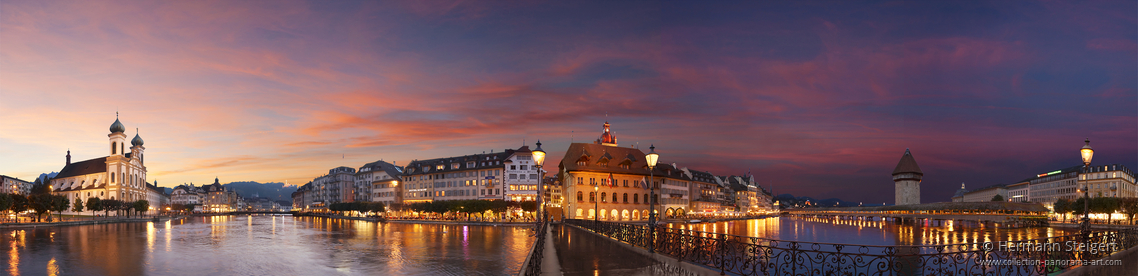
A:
(652, 157)
(1087, 153)
(539, 154)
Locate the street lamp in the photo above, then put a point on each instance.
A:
(652, 158)
(1087, 153)
(539, 159)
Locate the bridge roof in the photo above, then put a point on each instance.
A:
(944, 206)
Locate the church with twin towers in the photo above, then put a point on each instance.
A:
(121, 175)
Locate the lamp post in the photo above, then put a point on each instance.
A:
(652, 158)
(539, 159)
(1087, 153)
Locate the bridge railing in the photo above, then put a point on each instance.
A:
(740, 255)
(532, 265)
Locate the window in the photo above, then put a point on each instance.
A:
(603, 197)
(533, 176)
(626, 198)
(513, 176)
(592, 196)
(625, 184)
(614, 198)
(523, 167)
(636, 198)
(112, 177)
(513, 167)
(580, 181)
(581, 163)
(114, 147)
(522, 176)
(440, 167)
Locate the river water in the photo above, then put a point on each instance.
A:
(265, 245)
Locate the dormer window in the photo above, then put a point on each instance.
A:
(470, 164)
(440, 167)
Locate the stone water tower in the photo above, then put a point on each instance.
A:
(907, 178)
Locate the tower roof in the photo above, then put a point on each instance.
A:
(137, 141)
(117, 127)
(907, 165)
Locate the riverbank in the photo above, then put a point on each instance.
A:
(79, 222)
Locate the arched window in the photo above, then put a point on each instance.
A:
(614, 198)
(626, 198)
(592, 196)
(604, 197)
(580, 197)
(645, 198)
(636, 198)
(114, 147)
(112, 177)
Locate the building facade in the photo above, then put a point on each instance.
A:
(381, 181)
(1048, 187)
(521, 176)
(12, 185)
(907, 180)
(336, 186)
(1109, 181)
(467, 177)
(592, 173)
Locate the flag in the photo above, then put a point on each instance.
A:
(612, 181)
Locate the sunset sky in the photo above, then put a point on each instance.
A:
(815, 100)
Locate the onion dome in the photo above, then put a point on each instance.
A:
(137, 141)
(117, 127)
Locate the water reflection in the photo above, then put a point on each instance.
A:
(869, 232)
(279, 245)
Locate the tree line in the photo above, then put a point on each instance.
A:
(377, 207)
(471, 206)
(1099, 205)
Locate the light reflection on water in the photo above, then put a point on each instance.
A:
(829, 230)
(258, 245)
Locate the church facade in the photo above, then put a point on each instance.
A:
(121, 175)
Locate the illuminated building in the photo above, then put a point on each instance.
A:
(477, 176)
(120, 175)
(619, 174)
(12, 185)
(379, 182)
(521, 177)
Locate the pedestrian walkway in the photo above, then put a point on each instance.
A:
(583, 253)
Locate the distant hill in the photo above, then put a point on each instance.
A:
(273, 190)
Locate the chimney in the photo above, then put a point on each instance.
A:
(68, 157)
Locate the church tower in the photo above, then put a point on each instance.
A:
(907, 179)
(607, 138)
(136, 147)
(117, 137)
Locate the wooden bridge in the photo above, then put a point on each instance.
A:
(997, 214)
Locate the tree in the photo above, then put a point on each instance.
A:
(77, 205)
(998, 198)
(1062, 206)
(141, 206)
(19, 203)
(59, 204)
(40, 203)
(1130, 208)
(5, 202)
(94, 204)
(110, 205)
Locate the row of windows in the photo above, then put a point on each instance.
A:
(615, 199)
(449, 193)
(523, 187)
(523, 176)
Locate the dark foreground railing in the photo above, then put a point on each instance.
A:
(532, 266)
(731, 254)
